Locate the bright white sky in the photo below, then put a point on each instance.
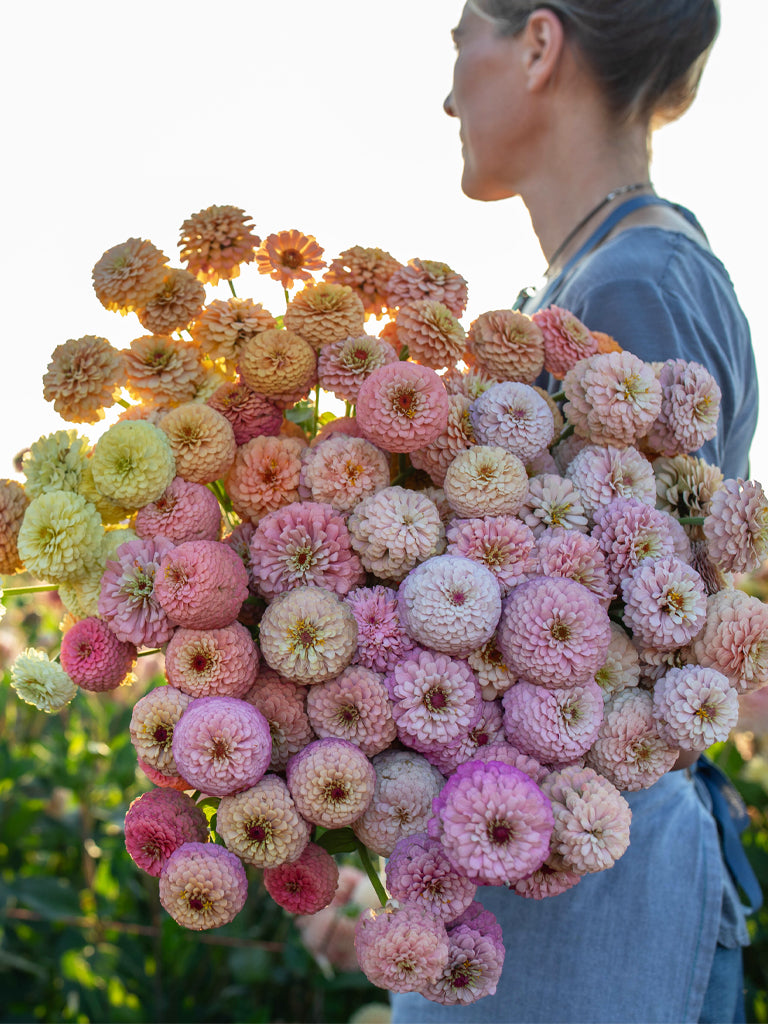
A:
(122, 119)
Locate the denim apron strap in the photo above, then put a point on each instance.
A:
(730, 813)
(597, 236)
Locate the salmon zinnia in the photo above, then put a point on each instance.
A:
(289, 256)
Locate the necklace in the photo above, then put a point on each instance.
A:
(623, 190)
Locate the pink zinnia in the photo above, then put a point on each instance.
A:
(493, 821)
(509, 754)
(501, 543)
(128, 599)
(737, 526)
(153, 722)
(382, 640)
(264, 476)
(451, 604)
(553, 501)
(695, 707)
(664, 603)
(185, 511)
(305, 885)
(573, 555)
(157, 823)
(546, 882)
(513, 416)
(93, 657)
(222, 745)
(628, 750)
(419, 872)
(201, 584)
(304, 543)
(395, 529)
(493, 674)
(342, 471)
(343, 365)
(592, 820)
(475, 963)
(690, 407)
(613, 398)
(436, 457)
(602, 474)
(554, 726)
(402, 406)
(566, 340)
(401, 949)
(435, 699)
(487, 730)
(209, 662)
(283, 705)
(250, 415)
(427, 279)
(734, 639)
(406, 784)
(555, 631)
(354, 706)
(261, 824)
(202, 885)
(621, 668)
(629, 531)
(331, 782)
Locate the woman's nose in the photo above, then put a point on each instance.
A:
(448, 106)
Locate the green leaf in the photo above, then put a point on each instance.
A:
(302, 412)
(338, 840)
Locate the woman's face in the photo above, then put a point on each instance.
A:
(487, 97)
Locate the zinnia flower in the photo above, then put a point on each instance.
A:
(567, 553)
(367, 271)
(324, 313)
(554, 726)
(553, 501)
(202, 885)
(226, 324)
(343, 470)
(501, 543)
(566, 340)
(419, 872)
(695, 707)
(401, 949)
(41, 682)
(628, 750)
(331, 781)
(427, 279)
(157, 823)
(215, 241)
(60, 537)
(737, 526)
(201, 584)
(93, 657)
(450, 604)
(601, 474)
(436, 457)
(277, 363)
(174, 305)
(82, 378)
(264, 476)
(304, 543)
(307, 884)
(628, 532)
(354, 706)
(690, 408)
(153, 721)
(664, 603)
(212, 662)
(734, 639)
(128, 275)
(494, 823)
(55, 462)
(395, 529)
(261, 824)
(432, 334)
(514, 417)
(402, 406)
(343, 365)
(382, 640)
(249, 414)
(485, 481)
(13, 505)
(507, 345)
(554, 631)
(184, 511)
(133, 463)
(162, 370)
(202, 441)
(621, 668)
(128, 601)
(612, 398)
(289, 256)
(308, 635)
(475, 962)
(222, 745)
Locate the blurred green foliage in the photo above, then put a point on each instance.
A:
(82, 934)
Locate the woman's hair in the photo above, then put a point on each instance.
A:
(648, 55)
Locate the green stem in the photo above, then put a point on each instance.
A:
(287, 295)
(691, 520)
(232, 287)
(153, 650)
(372, 873)
(122, 401)
(347, 409)
(14, 591)
(566, 433)
(558, 396)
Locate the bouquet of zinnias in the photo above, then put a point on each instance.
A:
(447, 626)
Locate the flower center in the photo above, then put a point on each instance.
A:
(463, 975)
(674, 604)
(458, 597)
(335, 792)
(499, 832)
(347, 714)
(560, 630)
(353, 471)
(405, 401)
(705, 713)
(302, 559)
(304, 635)
(142, 583)
(160, 735)
(259, 831)
(435, 699)
(200, 662)
(198, 902)
(219, 749)
(292, 259)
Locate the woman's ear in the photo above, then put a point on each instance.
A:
(543, 40)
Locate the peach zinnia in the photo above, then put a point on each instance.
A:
(276, 363)
(289, 256)
(507, 344)
(367, 271)
(264, 476)
(177, 301)
(162, 370)
(215, 241)
(82, 377)
(202, 441)
(402, 406)
(432, 333)
(128, 275)
(225, 324)
(322, 313)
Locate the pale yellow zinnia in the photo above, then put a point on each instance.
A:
(133, 463)
(60, 537)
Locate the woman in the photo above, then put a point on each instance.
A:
(556, 104)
